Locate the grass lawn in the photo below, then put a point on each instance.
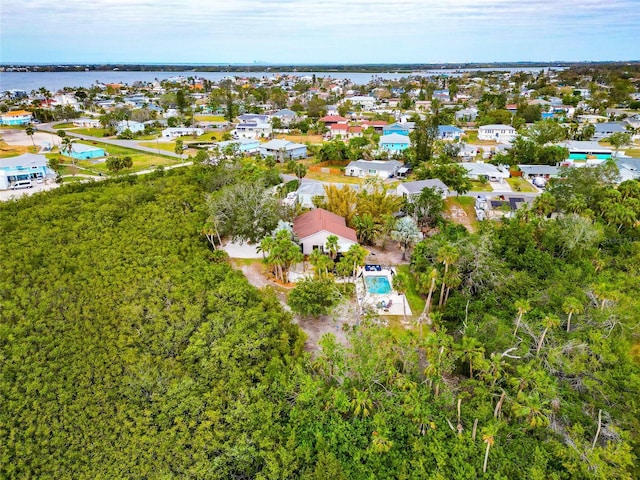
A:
(166, 146)
(209, 118)
(211, 137)
(468, 215)
(91, 132)
(141, 160)
(326, 177)
(64, 125)
(7, 151)
(302, 138)
(632, 152)
(520, 185)
(480, 187)
(471, 136)
(416, 302)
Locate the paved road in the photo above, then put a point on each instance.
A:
(132, 144)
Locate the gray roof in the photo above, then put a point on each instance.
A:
(579, 146)
(24, 160)
(420, 185)
(477, 168)
(609, 127)
(394, 138)
(383, 165)
(538, 169)
(285, 112)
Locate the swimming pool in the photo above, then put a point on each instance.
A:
(378, 284)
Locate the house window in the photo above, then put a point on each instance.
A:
(373, 172)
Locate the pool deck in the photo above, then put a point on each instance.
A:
(374, 301)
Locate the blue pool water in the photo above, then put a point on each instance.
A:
(378, 284)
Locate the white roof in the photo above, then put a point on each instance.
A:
(476, 168)
(384, 165)
(420, 185)
(497, 127)
(24, 160)
(394, 138)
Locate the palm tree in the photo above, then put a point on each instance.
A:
(67, 147)
(366, 228)
(429, 279)
(550, 321)
(400, 284)
(361, 403)
(532, 408)
(447, 254)
(523, 307)
(488, 436)
(30, 131)
(570, 306)
(332, 246)
(471, 350)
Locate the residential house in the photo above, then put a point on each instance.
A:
(80, 151)
(365, 102)
(373, 168)
(244, 146)
(629, 168)
(314, 228)
(16, 117)
(253, 118)
(499, 133)
(173, 132)
(310, 189)
(377, 125)
(23, 167)
(133, 127)
(283, 150)
(345, 131)
(485, 171)
(394, 143)
(586, 151)
(252, 130)
(495, 207)
(411, 190)
(466, 115)
(449, 132)
(605, 130)
(87, 122)
(285, 116)
(546, 172)
(329, 120)
(396, 128)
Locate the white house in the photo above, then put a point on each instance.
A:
(373, 168)
(283, 150)
(86, 122)
(411, 190)
(484, 171)
(499, 133)
(174, 132)
(252, 130)
(314, 227)
(365, 102)
(133, 127)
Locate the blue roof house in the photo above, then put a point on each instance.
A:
(449, 132)
(133, 127)
(80, 151)
(396, 128)
(394, 142)
(22, 167)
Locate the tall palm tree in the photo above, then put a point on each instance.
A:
(471, 350)
(400, 284)
(488, 436)
(447, 254)
(570, 306)
(550, 321)
(429, 279)
(523, 307)
(30, 131)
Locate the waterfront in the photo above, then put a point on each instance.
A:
(54, 81)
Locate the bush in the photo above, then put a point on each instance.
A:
(314, 297)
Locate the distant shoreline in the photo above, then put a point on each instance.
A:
(345, 68)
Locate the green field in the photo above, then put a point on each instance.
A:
(520, 185)
(91, 132)
(141, 160)
(416, 302)
(209, 118)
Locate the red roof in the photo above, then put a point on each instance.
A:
(339, 126)
(333, 119)
(374, 123)
(355, 129)
(319, 220)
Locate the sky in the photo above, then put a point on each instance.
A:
(317, 31)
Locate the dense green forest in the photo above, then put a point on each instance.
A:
(130, 349)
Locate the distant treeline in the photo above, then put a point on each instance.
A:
(365, 68)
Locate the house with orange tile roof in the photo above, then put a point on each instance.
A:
(16, 117)
(314, 227)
